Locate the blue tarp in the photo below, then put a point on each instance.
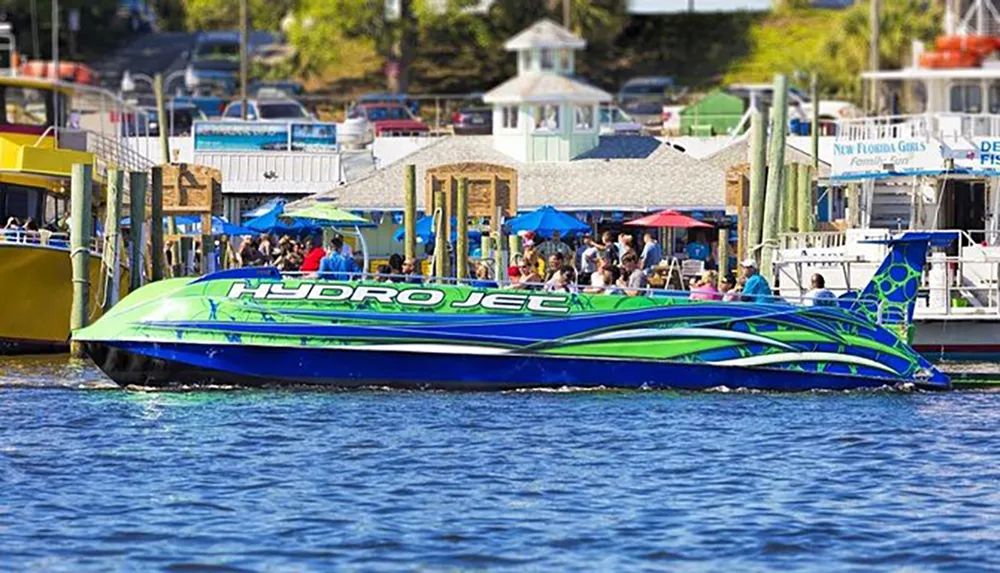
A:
(425, 231)
(547, 220)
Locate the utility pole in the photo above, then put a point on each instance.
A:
(243, 59)
(874, 24)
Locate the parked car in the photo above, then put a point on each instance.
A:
(473, 117)
(180, 118)
(613, 121)
(643, 98)
(284, 88)
(389, 119)
(269, 109)
(210, 105)
(380, 98)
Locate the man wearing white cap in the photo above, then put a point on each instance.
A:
(756, 288)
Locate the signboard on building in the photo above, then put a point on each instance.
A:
(885, 157)
(255, 136)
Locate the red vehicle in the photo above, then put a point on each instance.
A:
(389, 119)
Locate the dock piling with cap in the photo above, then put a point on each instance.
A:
(137, 214)
(775, 159)
(462, 230)
(80, 231)
(112, 239)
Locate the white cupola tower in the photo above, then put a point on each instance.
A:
(543, 113)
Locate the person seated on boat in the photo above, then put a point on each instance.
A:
(755, 289)
(396, 264)
(483, 279)
(553, 264)
(336, 265)
(265, 247)
(384, 274)
(819, 295)
(588, 259)
(632, 281)
(313, 256)
(730, 291)
(563, 280)
(705, 289)
(529, 277)
(249, 254)
(626, 247)
(12, 230)
(409, 272)
(31, 234)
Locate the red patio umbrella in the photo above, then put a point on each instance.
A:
(668, 218)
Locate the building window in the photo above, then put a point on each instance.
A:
(526, 60)
(583, 118)
(564, 59)
(509, 113)
(548, 59)
(966, 98)
(547, 118)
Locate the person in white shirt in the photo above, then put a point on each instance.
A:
(588, 259)
(819, 295)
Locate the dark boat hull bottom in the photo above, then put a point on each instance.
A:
(178, 364)
(11, 347)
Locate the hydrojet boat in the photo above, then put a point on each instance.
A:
(256, 327)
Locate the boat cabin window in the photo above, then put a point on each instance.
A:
(20, 202)
(994, 97)
(56, 207)
(966, 98)
(29, 107)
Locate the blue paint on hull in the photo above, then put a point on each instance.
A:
(257, 365)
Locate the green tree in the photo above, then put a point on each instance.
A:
(844, 55)
(224, 14)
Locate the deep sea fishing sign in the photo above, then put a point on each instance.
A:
(884, 156)
(407, 297)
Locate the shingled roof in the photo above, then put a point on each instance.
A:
(738, 152)
(545, 34)
(623, 173)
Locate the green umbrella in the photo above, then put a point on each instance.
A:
(328, 215)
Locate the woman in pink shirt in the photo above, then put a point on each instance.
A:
(706, 289)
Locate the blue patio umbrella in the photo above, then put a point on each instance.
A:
(425, 231)
(273, 222)
(547, 220)
(220, 226)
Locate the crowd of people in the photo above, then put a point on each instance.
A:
(610, 265)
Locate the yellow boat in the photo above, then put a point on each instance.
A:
(36, 159)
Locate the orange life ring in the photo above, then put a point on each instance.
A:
(949, 59)
(980, 45)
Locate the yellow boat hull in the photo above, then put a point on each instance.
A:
(36, 292)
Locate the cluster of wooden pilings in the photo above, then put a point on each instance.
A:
(781, 195)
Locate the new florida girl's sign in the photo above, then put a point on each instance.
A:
(885, 157)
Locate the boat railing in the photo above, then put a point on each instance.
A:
(812, 240)
(46, 239)
(883, 127)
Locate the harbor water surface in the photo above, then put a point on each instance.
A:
(95, 478)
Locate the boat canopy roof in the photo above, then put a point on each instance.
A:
(35, 83)
(990, 73)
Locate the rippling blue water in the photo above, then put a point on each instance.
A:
(102, 479)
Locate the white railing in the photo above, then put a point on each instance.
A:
(813, 240)
(946, 126)
(884, 127)
(46, 239)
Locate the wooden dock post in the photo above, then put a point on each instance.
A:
(185, 247)
(758, 177)
(789, 201)
(440, 244)
(156, 224)
(814, 132)
(806, 222)
(723, 253)
(80, 230)
(137, 213)
(410, 213)
(775, 159)
(112, 239)
(462, 230)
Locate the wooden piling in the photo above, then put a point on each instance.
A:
(789, 201)
(112, 239)
(814, 132)
(164, 121)
(410, 212)
(758, 178)
(440, 243)
(496, 237)
(723, 253)
(156, 224)
(462, 230)
(804, 195)
(185, 247)
(80, 228)
(514, 244)
(775, 159)
(137, 213)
